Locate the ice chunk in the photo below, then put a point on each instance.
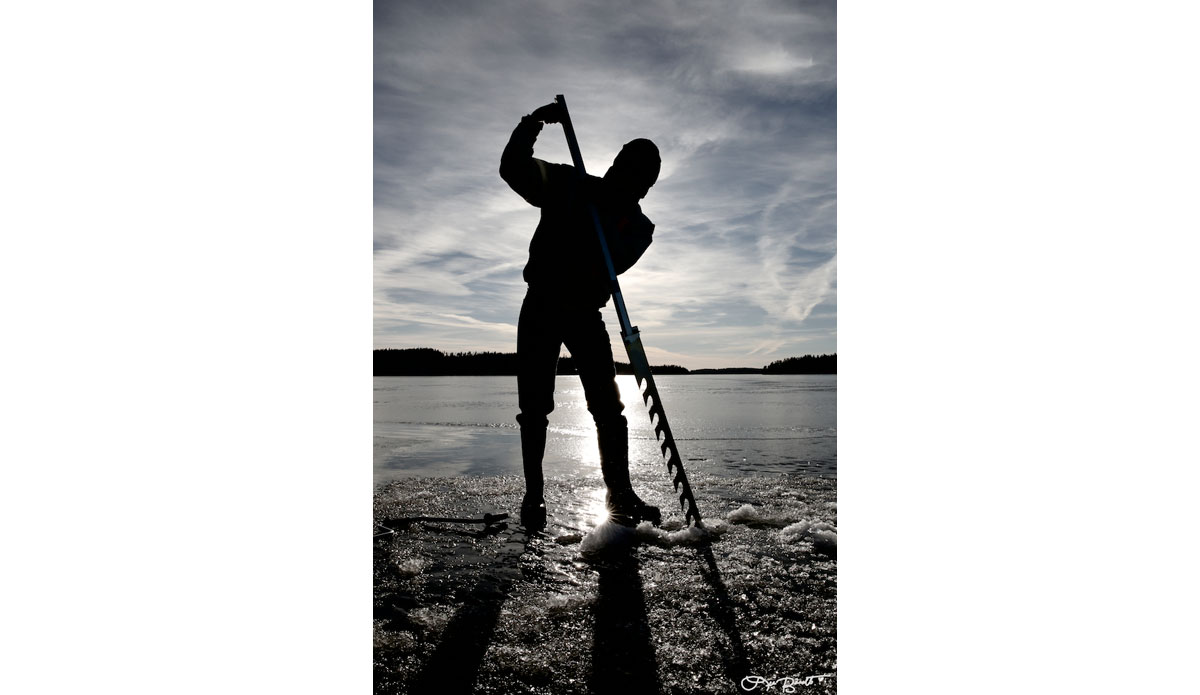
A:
(610, 535)
(565, 603)
(744, 513)
(794, 532)
(822, 534)
(825, 542)
(410, 567)
(689, 535)
(755, 518)
(607, 536)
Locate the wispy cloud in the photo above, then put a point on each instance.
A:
(741, 99)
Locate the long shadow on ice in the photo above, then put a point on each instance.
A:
(623, 659)
(721, 608)
(455, 663)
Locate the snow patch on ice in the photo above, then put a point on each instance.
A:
(607, 536)
(610, 535)
(429, 617)
(690, 535)
(565, 603)
(411, 567)
(753, 516)
(822, 534)
(746, 512)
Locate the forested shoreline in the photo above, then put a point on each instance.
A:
(431, 362)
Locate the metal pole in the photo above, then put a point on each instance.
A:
(577, 159)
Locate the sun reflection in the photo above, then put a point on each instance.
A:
(574, 439)
(571, 416)
(631, 393)
(595, 509)
(584, 449)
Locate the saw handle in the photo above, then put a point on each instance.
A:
(577, 159)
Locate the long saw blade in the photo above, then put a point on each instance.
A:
(633, 346)
(662, 430)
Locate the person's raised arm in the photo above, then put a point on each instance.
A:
(518, 167)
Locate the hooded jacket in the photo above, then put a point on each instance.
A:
(565, 258)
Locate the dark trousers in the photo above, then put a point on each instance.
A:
(544, 327)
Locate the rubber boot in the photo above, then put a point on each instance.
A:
(533, 507)
(624, 506)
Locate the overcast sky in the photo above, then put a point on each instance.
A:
(740, 98)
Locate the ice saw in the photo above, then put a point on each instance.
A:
(633, 346)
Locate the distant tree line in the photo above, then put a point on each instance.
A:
(430, 362)
(566, 365)
(808, 364)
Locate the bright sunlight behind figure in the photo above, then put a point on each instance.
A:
(605, 346)
(741, 100)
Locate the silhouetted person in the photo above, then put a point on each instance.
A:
(568, 285)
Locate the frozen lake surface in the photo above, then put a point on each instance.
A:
(463, 609)
(749, 602)
(723, 424)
